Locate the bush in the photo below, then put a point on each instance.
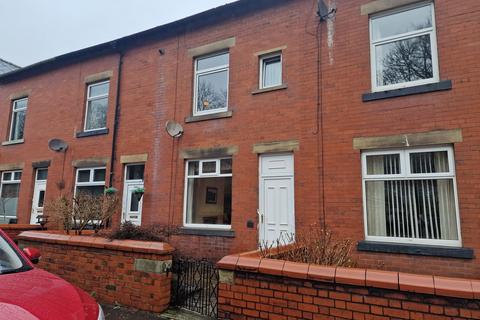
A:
(130, 231)
(315, 245)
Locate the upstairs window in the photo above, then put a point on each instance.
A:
(97, 106)
(404, 48)
(211, 83)
(270, 70)
(9, 191)
(90, 181)
(208, 193)
(19, 111)
(410, 196)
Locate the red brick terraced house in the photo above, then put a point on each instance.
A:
(362, 116)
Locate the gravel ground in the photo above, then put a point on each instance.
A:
(122, 313)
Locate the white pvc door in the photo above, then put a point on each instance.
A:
(132, 198)
(38, 195)
(277, 204)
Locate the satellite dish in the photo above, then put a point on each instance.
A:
(57, 145)
(174, 129)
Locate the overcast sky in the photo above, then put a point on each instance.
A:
(35, 30)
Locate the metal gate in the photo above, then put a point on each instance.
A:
(195, 286)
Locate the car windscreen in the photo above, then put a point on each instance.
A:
(10, 260)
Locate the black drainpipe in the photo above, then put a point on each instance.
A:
(116, 116)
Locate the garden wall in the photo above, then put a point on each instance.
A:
(254, 288)
(13, 230)
(127, 272)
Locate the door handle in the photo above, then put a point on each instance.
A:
(260, 216)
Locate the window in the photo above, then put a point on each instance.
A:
(90, 181)
(208, 193)
(211, 84)
(404, 48)
(19, 110)
(270, 70)
(9, 190)
(410, 196)
(97, 106)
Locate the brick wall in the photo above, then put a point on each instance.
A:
(273, 289)
(13, 230)
(131, 273)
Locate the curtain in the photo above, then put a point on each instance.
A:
(446, 200)
(375, 194)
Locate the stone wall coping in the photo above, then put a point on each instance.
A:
(159, 248)
(416, 283)
(20, 226)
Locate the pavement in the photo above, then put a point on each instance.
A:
(123, 313)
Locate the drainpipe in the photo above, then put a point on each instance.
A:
(116, 116)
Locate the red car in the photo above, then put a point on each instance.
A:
(29, 293)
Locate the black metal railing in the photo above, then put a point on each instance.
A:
(195, 286)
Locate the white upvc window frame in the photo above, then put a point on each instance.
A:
(93, 98)
(201, 175)
(262, 69)
(90, 182)
(12, 180)
(14, 112)
(432, 31)
(407, 175)
(198, 74)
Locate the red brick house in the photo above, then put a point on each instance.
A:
(363, 119)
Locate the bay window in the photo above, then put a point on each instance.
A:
(208, 193)
(410, 196)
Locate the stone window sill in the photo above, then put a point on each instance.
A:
(425, 88)
(414, 249)
(276, 88)
(208, 232)
(213, 116)
(84, 134)
(12, 142)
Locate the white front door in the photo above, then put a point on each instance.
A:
(38, 195)
(132, 198)
(277, 202)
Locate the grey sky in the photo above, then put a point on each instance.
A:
(35, 30)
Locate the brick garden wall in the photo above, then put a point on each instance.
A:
(274, 289)
(13, 230)
(131, 273)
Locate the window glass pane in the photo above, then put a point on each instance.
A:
(92, 190)
(9, 199)
(18, 125)
(225, 166)
(421, 209)
(99, 89)
(42, 174)
(383, 164)
(220, 60)
(272, 71)
(134, 202)
(209, 167)
(7, 176)
(193, 168)
(429, 162)
(17, 175)
(135, 172)
(20, 104)
(99, 175)
(97, 114)
(83, 176)
(402, 22)
(212, 91)
(209, 201)
(404, 61)
(41, 199)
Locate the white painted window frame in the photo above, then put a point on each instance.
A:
(406, 175)
(14, 112)
(433, 45)
(217, 174)
(126, 183)
(93, 98)
(204, 72)
(11, 181)
(90, 182)
(36, 174)
(262, 69)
